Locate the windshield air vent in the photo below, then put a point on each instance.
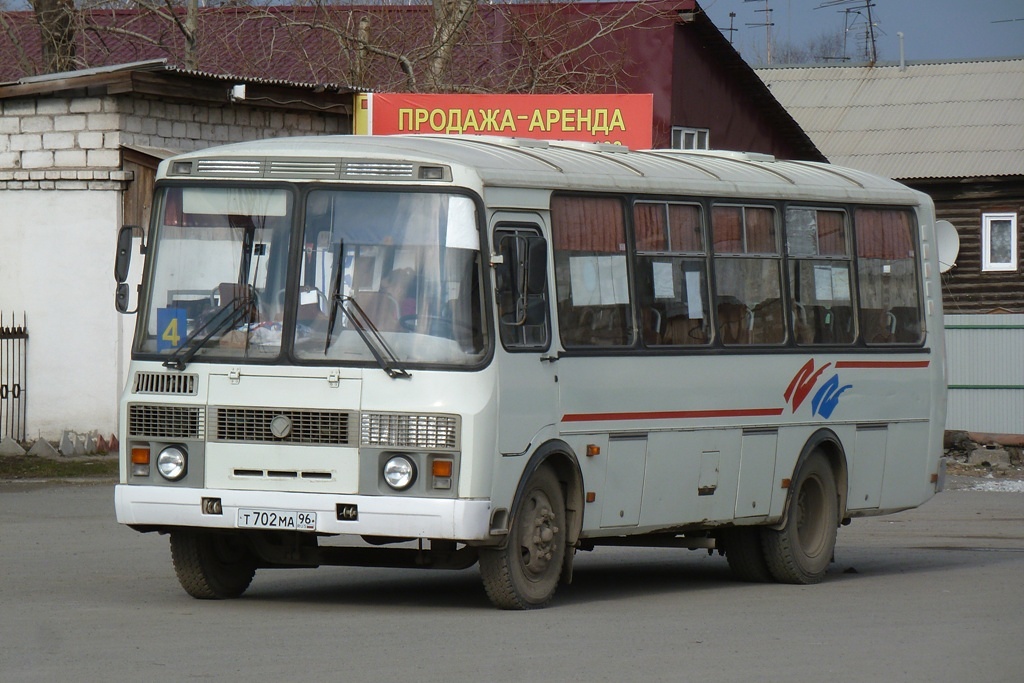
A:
(379, 169)
(165, 383)
(281, 425)
(305, 168)
(235, 167)
(165, 422)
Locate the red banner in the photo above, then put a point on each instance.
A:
(619, 119)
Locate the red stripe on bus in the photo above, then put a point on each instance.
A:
(673, 415)
(889, 364)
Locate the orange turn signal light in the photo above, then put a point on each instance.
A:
(592, 450)
(441, 468)
(140, 455)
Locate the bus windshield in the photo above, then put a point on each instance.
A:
(405, 265)
(218, 259)
(398, 270)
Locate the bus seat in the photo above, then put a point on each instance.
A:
(381, 308)
(879, 325)
(768, 326)
(734, 322)
(681, 331)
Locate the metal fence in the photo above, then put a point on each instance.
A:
(13, 376)
(986, 373)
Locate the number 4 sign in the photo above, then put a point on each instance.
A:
(171, 325)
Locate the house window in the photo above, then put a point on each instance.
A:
(999, 241)
(689, 138)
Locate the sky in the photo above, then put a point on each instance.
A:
(932, 29)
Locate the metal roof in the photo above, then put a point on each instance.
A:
(510, 162)
(927, 120)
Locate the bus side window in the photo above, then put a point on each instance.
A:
(817, 242)
(520, 276)
(591, 271)
(671, 280)
(748, 275)
(889, 290)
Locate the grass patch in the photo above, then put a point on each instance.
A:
(14, 467)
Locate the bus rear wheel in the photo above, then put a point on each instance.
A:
(525, 572)
(744, 551)
(211, 566)
(801, 551)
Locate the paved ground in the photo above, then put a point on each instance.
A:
(932, 595)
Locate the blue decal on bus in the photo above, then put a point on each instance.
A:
(827, 398)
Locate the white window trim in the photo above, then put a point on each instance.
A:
(987, 219)
(679, 134)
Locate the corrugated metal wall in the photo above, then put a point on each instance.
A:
(986, 373)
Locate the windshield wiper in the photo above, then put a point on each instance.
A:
(239, 309)
(362, 324)
(368, 332)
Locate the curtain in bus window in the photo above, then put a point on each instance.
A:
(591, 274)
(831, 233)
(890, 307)
(649, 223)
(760, 230)
(727, 222)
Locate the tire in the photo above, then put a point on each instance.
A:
(801, 551)
(211, 566)
(524, 574)
(744, 551)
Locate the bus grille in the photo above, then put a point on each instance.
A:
(165, 383)
(256, 425)
(242, 167)
(396, 430)
(165, 422)
(304, 168)
(379, 169)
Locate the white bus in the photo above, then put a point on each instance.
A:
(426, 351)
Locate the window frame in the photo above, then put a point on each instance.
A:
(700, 135)
(987, 221)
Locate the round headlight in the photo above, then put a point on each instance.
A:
(172, 463)
(399, 472)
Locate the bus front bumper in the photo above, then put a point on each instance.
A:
(159, 507)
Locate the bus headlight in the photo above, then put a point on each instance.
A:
(400, 472)
(172, 463)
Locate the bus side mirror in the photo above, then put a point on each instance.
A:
(122, 264)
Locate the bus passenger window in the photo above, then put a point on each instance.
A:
(672, 282)
(890, 299)
(591, 272)
(748, 289)
(819, 276)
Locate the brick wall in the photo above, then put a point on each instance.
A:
(74, 143)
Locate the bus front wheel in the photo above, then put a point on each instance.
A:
(211, 566)
(525, 572)
(802, 549)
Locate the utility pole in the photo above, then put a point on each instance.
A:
(767, 24)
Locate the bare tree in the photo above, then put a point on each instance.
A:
(422, 45)
(825, 47)
(57, 33)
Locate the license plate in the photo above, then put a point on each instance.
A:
(298, 520)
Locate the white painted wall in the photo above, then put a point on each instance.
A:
(56, 266)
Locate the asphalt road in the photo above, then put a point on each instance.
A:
(934, 594)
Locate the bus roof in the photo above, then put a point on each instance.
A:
(525, 163)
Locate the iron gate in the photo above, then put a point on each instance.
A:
(13, 371)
